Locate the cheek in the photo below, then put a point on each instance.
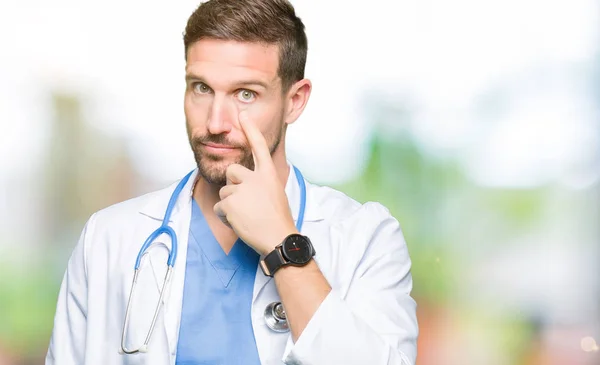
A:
(267, 115)
(273, 130)
(195, 109)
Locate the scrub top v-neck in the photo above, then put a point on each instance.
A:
(216, 326)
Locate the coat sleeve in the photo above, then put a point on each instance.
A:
(68, 339)
(373, 321)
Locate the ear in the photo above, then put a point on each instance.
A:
(296, 99)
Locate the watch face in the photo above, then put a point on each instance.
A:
(297, 249)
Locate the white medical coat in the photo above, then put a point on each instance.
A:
(368, 318)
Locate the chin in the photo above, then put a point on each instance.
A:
(214, 170)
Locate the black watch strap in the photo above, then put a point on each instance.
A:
(272, 262)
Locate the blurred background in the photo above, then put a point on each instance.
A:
(477, 123)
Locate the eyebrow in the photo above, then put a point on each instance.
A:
(191, 77)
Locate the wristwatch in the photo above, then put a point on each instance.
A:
(296, 250)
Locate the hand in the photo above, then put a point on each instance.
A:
(254, 203)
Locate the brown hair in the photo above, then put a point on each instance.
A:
(258, 21)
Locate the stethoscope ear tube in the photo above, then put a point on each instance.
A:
(275, 317)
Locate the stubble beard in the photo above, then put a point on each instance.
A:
(213, 168)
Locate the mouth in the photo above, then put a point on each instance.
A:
(218, 148)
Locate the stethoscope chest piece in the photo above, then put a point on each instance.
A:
(275, 317)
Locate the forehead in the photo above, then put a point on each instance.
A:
(220, 59)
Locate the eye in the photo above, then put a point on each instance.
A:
(201, 88)
(246, 96)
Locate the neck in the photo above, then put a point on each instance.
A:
(207, 194)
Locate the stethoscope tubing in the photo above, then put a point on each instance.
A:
(274, 314)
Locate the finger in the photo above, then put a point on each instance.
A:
(236, 174)
(258, 144)
(220, 211)
(226, 191)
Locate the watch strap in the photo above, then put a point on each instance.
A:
(273, 261)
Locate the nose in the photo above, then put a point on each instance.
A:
(221, 115)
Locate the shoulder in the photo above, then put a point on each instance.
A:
(357, 230)
(339, 208)
(354, 238)
(125, 211)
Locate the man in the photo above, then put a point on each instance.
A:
(251, 232)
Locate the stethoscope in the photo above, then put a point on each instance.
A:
(274, 313)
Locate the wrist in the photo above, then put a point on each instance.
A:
(277, 237)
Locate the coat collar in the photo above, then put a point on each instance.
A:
(155, 208)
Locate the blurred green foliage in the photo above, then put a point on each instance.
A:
(27, 307)
(413, 186)
(439, 211)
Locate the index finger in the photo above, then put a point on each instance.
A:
(258, 143)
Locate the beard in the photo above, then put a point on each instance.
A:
(213, 167)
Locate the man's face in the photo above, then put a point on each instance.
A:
(223, 78)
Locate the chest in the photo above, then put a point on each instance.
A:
(120, 252)
(217, 300)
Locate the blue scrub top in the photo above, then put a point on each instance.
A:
(216, 326)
